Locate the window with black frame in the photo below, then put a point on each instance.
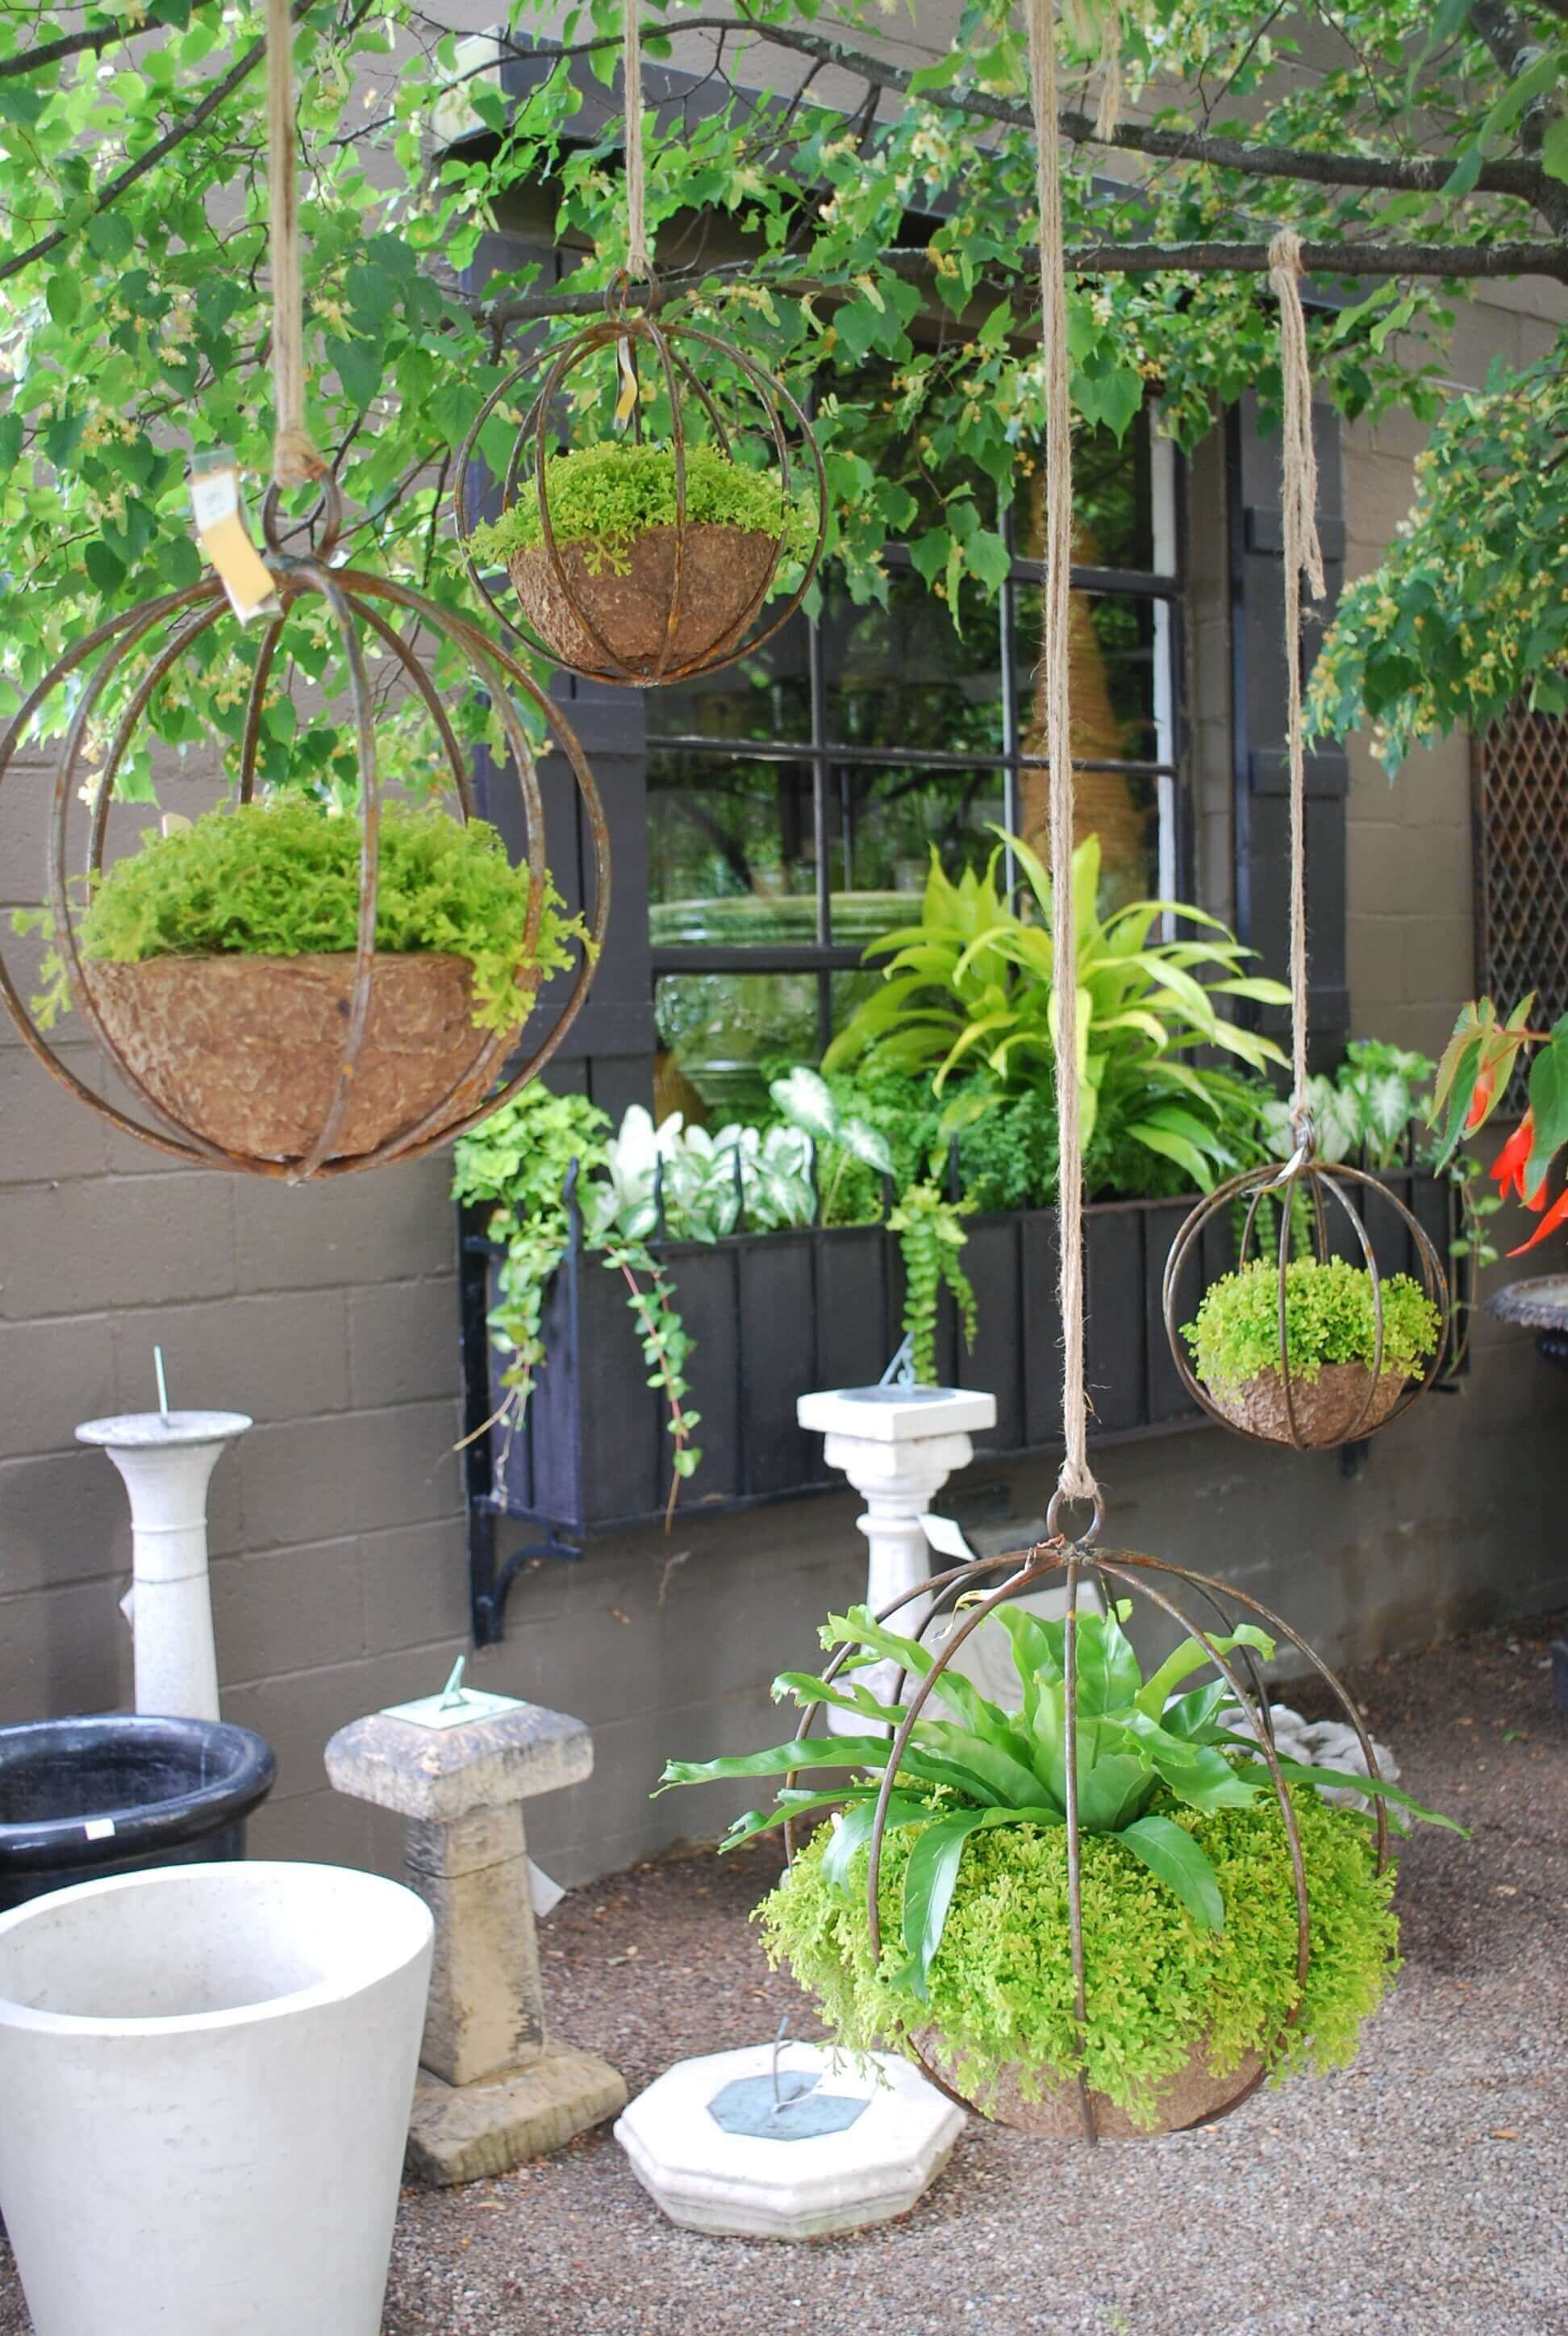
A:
(793, 800)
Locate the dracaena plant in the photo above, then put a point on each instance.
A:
(1145, 1748)
(970, 995)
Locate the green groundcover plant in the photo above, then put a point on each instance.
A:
(1330, 1318)
(605, 496)
(1189, 1905)
(281, 878)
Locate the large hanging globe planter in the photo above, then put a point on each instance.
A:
(1109, 1911)
(659, 558)
(396, 1032)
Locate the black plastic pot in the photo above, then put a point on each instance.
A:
(84, 1799)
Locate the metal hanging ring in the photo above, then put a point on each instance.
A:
(322, 525)
(1075, 1500)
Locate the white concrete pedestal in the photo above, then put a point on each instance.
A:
(898, 1446)
(708, 2176)
(166, 1459)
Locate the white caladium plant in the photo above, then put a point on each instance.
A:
(697, 1183)
(1364, 1111)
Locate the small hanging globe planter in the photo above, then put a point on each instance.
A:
(315, 1061)
(1110, 1912)
(1307, 1342)
(659, 558)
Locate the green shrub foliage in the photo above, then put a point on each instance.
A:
(281, 878)
(606, 496)
(1157, 1983)
(1330, 1318)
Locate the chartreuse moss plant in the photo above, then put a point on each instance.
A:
(1188, 1902)
(281, 878)
(1330, 1318)
(604, 497)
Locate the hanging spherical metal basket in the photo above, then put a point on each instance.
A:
(679, 599)
(1347, 1401)
(323, 1064)
(1194, 2095)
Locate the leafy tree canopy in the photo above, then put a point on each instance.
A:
(866, 221)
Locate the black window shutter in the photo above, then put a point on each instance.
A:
(1258, 719)
(609, 1051)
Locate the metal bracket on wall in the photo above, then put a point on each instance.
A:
(488, 1584)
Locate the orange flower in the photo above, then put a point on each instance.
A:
(1509, 1166)
(1557, 1214)
(1481, 1099)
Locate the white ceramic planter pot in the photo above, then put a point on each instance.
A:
(206, 2074)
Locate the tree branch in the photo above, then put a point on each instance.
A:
(1513, 49)
(183, 128)
(73, 45)
(1392, 174)
(1325, 259)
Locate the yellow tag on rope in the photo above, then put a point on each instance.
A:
(220, 532)
(625, 403)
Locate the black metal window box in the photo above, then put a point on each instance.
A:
(775, 1315)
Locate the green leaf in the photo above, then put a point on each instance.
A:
(1190, 1656)
(1548, 1105)
(805, 1100)
(854, 1830)
(1174, 1857)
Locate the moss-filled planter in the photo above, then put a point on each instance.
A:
(1330, 1343)
(612, 592)
(1180, 2017)
(221, 961)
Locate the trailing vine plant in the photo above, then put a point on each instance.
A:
(930, 1235)
(521, 1161)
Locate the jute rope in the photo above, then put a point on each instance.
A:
(1303, 556)
(638, 258)
(297, 460)
(1076, 1481)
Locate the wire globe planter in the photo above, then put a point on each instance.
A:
(1193, 2096)
(1346, 1402)
(320, 1065)
(687, 598)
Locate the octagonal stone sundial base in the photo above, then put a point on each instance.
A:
(806, 2183)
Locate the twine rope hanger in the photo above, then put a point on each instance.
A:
(297, 460)
(1303, 556)
(1075, 1481)
(638, 258)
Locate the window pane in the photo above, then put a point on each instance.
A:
(765, 695)
(720, 1037)
(1113, 506)
(731, 843)
(1111, 655)
(883, 823)
(903, 677)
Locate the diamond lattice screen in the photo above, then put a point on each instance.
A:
(1522, 867)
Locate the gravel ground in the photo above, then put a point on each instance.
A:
(1423, 2193)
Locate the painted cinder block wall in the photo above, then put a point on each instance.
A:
(329, 1313)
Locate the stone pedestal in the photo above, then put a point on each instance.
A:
(898, 1446)
(492, 2089)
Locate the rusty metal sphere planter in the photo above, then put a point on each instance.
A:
(1193, 2096)
(688, 596)
(1346, 1402)
(318, 1064)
